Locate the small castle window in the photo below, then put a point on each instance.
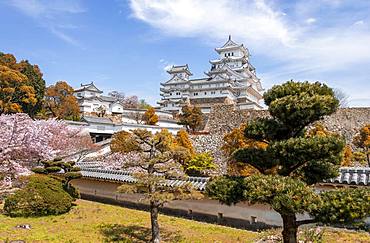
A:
(205, 93)
(170, 93)
(232, 53)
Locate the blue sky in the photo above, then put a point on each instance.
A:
(126, 45)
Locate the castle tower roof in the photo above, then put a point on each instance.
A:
(231, 45)
(180, 69)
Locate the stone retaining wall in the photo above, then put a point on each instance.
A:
(223, 118)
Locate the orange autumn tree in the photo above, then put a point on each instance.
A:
(61, 103)
(21, 86)
(149, 117)
(183, 140)
(233, 141)
(362, 141)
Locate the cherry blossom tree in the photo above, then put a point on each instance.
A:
(25, 142)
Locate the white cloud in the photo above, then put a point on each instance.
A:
(254, 19)
(310, 20)
(50, 14)
(360, 22)
(285, 36)
(165, 65)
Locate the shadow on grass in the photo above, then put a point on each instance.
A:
(133, 234)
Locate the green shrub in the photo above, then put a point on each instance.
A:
(75, 168)
(72, 191)
(41, 196)
(198, 164)
(53, 169)
(344, 206)
(39, 170)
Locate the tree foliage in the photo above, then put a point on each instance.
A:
(233, 141)
(21, 86)
(149, 117)
(183, 140)
(61, 103)
(199, 164)
(362, 141)
(129, 101)
(343, 206)
(191, 117)
(153, 159)
(292, 158)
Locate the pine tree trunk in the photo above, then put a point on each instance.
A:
(154, 221)
(290, 228)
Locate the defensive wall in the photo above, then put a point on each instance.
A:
(223, 118)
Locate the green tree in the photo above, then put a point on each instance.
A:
(60, 102)
(191, 117)
(149, 117)
(36, 81)
(291, 161)
(143, 104)
(154, 158)
(199, 164)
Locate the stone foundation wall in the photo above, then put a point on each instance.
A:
(223, 118)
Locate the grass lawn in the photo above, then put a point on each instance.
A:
(96, 222)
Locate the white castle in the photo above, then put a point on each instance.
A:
(231, 80)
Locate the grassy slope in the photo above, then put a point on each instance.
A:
(96, 222)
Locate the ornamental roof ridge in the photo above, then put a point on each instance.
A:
(229, 42)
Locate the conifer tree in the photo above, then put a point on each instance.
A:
(291, 162)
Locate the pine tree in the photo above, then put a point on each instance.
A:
(292, 161)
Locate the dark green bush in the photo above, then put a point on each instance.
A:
(72, 191)
(39, 170)
(41, 196)
(344, 206)
(75, 168)
(53, 169)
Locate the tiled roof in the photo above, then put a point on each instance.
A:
(352, 176)
(107, 98)
(180, 68)
(95, 119)
(348, 175)
(198, 183)
(88, 165)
